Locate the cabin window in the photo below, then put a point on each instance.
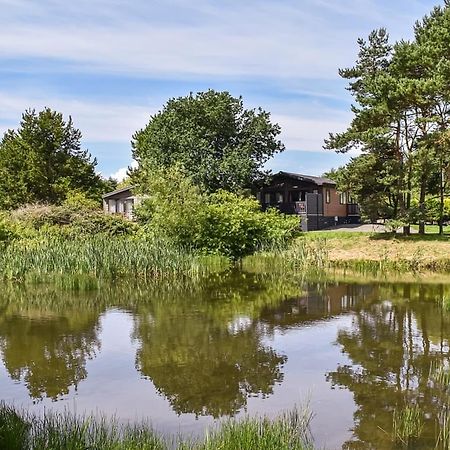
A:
(112, 206)
(258, 196)
(267, 198)
(279, 197)
(343, 198)
(327, 196)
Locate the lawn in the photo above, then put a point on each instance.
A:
(354, 246)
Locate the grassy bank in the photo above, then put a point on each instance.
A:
(318, 252)
(22, 431)
(383, 251)
(88, 261)
(102, 258)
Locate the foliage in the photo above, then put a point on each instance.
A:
(220, 144)
(175, 208)
(100, 257)
(407, 424)
(223, 222)
(392, 225)
(401, 122)
(75, 217)
(235, 226)
(63, 431)
(78, 200)
(42, 161)
(7, 231)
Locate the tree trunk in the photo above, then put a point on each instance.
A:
(441, 201)
(422, 206)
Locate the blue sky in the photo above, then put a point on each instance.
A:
(110, 64)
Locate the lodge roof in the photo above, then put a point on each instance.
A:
(319, 181)
(118, 191)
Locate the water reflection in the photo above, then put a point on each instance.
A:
(47, 350)
(208, 349)
(395, 345)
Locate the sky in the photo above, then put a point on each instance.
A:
(111, 64)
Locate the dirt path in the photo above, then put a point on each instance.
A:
(365, 228)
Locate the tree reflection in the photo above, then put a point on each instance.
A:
(48, 349)
(394, 345)
(207, 354)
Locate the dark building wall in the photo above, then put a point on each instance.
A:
(313, 223)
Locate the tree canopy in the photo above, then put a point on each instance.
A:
(219, 143)
(42, 161)
(401, 121)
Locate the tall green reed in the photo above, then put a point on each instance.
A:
(407, 425)
(301, 256)
(64, 431)
(99, 257)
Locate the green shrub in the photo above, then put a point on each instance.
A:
(112, 225)
(222, 223)
(7, 232)
(235, 226)
(70, 220)
(79, 201)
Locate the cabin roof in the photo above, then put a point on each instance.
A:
(319, 181)
(118, 191)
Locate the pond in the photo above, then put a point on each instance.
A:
(184, 357)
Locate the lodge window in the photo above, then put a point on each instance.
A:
(258, 196)
(343, 198)
(279, 197)
(327, 196)
(267, 198)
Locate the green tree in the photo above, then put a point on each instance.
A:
(376, 127)
(223, 222)
(402, 113)
(369, 178)
(42, 161)
(220, 144)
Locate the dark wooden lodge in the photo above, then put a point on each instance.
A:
(314, 199)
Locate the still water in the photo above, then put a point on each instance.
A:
(186, 357)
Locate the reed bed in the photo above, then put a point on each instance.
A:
(300, 257)
(23, 431)
(97, 258)
(407, 425)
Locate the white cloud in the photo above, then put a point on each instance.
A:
(306, 133)
(288, 40)
(122, 173)
(98, 121)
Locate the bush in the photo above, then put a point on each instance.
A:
(79, 201)
(223, 223)
(235, 226)
(69, 220)
(7, 232)
(112, 225)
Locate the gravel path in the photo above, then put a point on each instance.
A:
(366, 228)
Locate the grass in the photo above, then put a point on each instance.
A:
(384, 251)
(23, 431)
(407, 425)
(363, 253)
(302, 256)
(98, 258)
(432, 229)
